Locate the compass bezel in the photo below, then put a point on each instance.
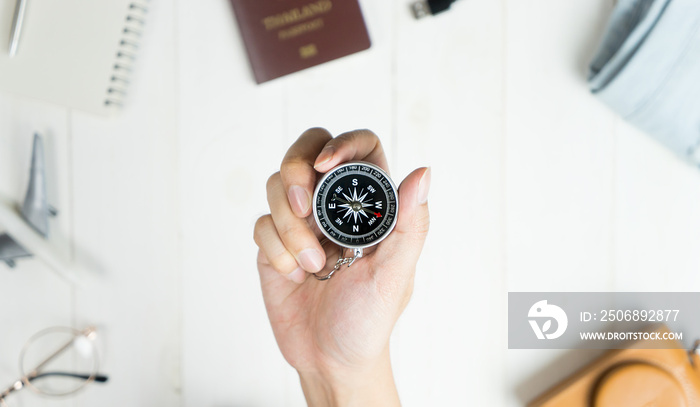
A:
(323, 179)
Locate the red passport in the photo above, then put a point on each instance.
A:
(285, 36)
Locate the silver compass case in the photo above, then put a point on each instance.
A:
(356, 205)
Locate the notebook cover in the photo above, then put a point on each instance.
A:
(285, 36)
(75, 53)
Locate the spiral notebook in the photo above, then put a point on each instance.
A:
(75, 53)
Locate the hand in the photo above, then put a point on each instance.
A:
(336, 333)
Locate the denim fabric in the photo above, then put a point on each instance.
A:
(648, 70)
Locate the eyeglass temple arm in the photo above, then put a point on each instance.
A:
(15, 386)
(100, 378)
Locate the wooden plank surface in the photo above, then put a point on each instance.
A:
(560, 171)
(127, 233)
(450, 101)
(536, 187)
(657, 216)
(231, 139)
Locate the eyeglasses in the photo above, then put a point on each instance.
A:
(57, 362)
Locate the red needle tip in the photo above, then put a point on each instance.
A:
(377, 214)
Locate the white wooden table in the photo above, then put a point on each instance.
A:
(536, 187)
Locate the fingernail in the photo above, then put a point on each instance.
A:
(424, 187)
(299, 200)
(311, 260)
(325, 156)
(298, 275)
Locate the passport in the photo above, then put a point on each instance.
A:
(286, 36)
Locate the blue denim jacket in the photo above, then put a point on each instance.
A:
(648, 70)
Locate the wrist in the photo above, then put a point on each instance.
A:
(367, 386)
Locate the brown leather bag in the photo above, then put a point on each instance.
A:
(632, 377)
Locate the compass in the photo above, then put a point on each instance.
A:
(355, 206)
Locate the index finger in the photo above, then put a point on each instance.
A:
(297, 169)
(354, 145)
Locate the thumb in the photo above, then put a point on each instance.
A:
(403, 246)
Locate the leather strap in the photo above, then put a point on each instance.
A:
(645, 372)
(695, 357)
(639, 384)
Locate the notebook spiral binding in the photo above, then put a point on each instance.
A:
(127, 50)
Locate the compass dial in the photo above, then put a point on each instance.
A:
(356, 204)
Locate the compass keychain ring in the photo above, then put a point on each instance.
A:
(355, 206)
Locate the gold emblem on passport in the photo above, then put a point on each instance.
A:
(308, 51)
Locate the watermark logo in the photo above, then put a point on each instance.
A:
(601, 320)
(542, 310)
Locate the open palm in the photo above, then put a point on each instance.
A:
(343, 322)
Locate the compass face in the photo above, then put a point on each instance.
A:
(356, 204)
